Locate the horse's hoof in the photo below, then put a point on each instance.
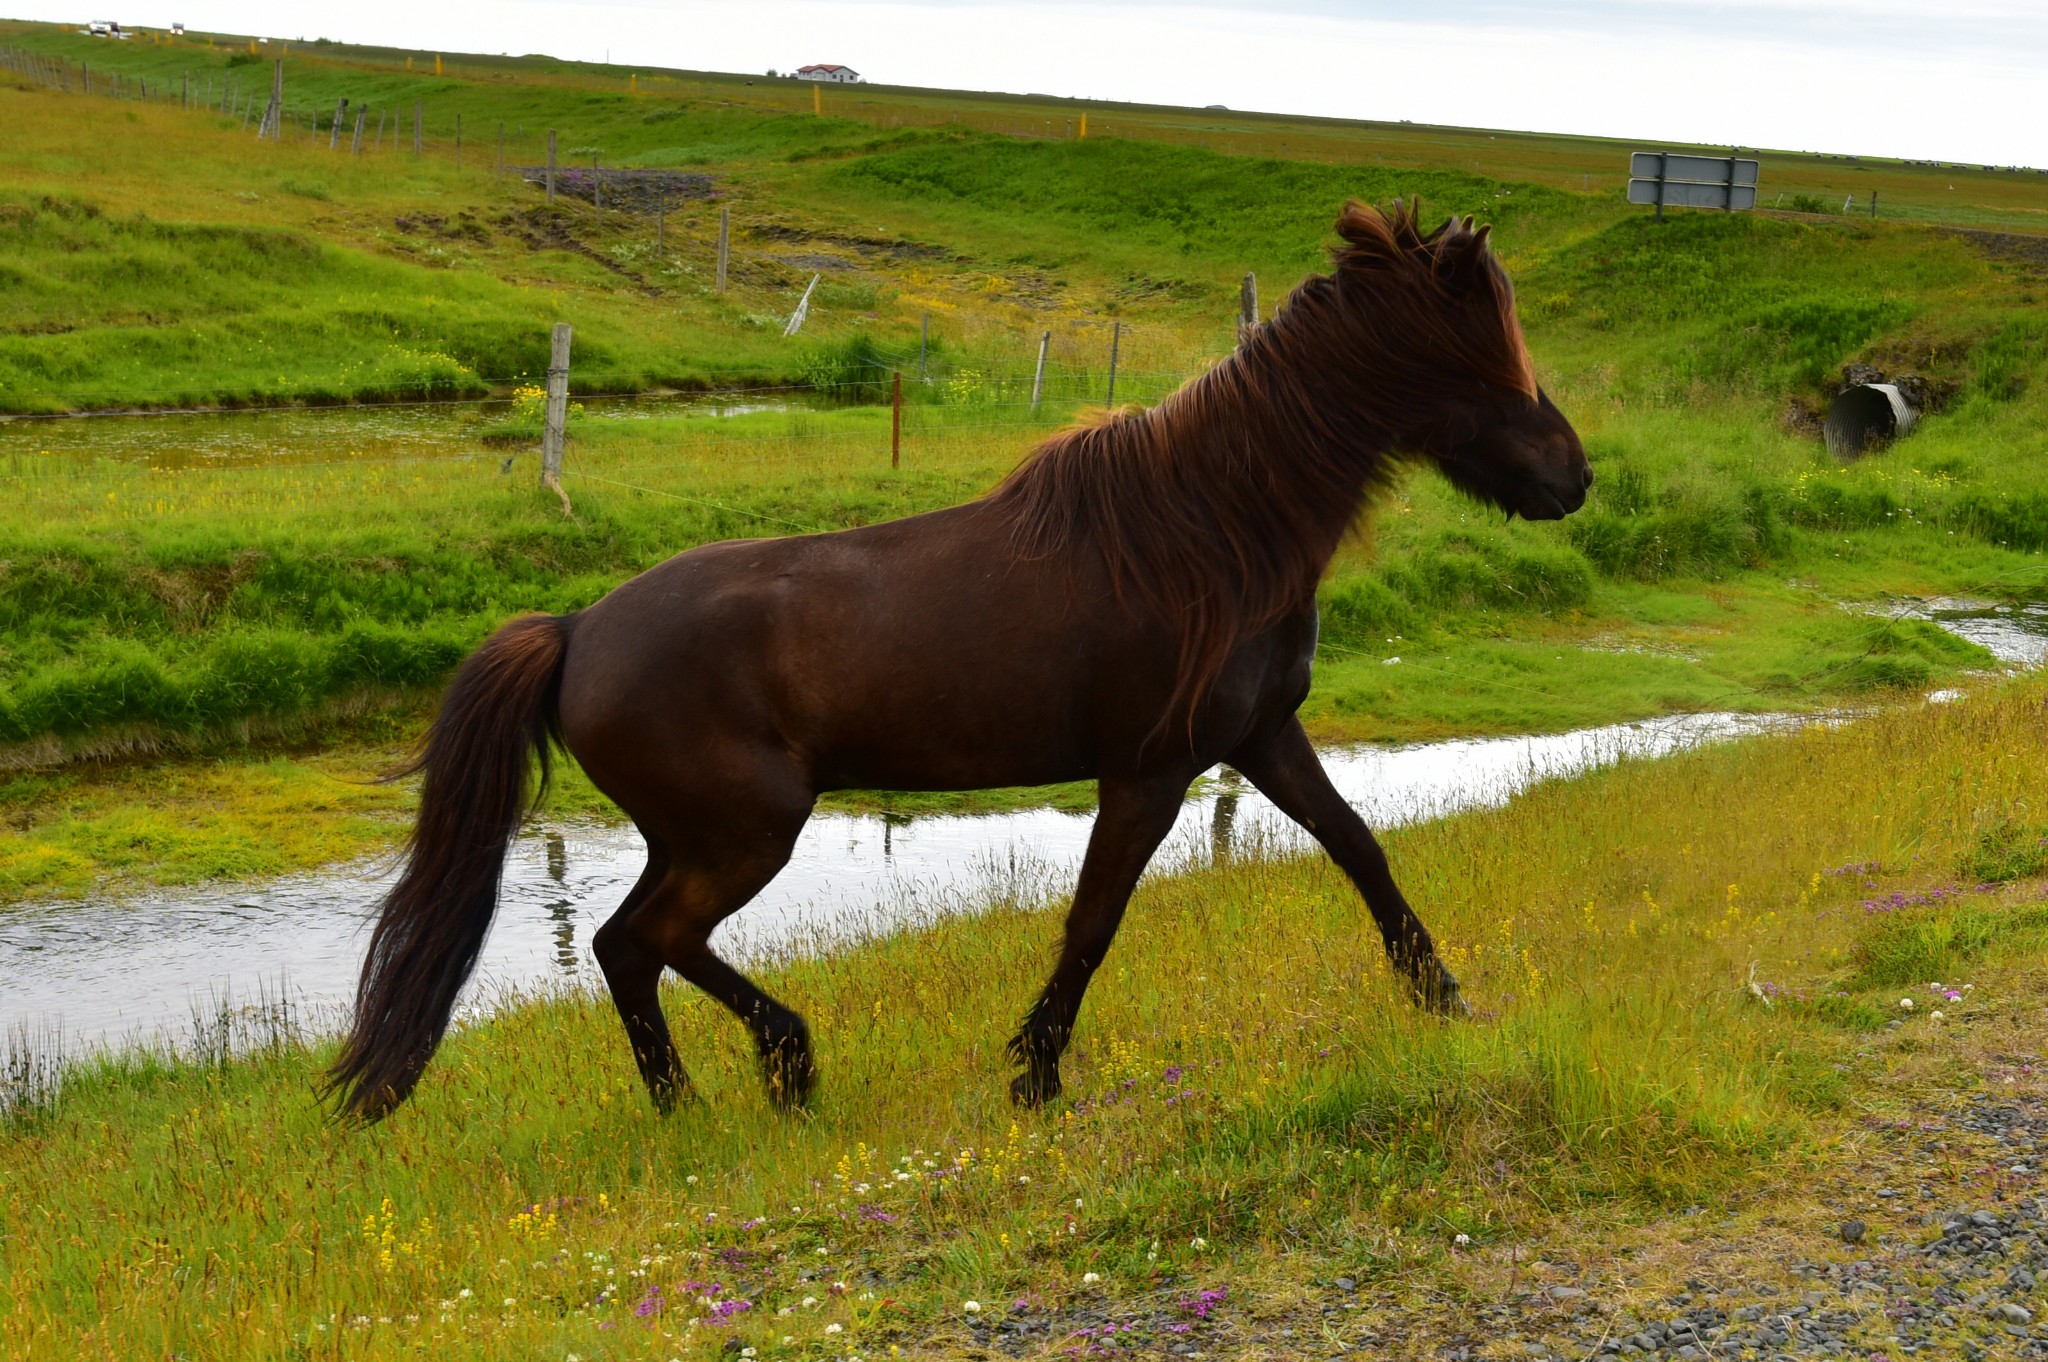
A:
(791, 1078)
(1439, 994)
(1030, 1090)
(670, 1093)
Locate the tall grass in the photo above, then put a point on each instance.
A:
(1253, 1101)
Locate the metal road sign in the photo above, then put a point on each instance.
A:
(1684, 194)
(1669, 165)
(1684, 180)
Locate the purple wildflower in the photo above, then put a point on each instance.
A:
(869, 1211)
(725, 1310)
(650, 1303)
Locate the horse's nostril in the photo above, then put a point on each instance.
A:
(1586, 478)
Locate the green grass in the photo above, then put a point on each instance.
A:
(1253, 1103)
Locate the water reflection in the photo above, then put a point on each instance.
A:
(1223, 821)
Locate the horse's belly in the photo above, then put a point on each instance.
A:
(957, 740)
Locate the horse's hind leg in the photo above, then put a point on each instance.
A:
(1134, 819)
(632, 970)
(780, 1036)
(702, 884)
(1286, 770)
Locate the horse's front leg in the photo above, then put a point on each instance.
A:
(1134, 819)
(1286, 770)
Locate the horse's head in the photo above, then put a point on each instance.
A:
(1436, 315)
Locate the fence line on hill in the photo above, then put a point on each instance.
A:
(980, 386)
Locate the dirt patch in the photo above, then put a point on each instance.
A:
(626, 190)
(464, 227)
(2018, 247)
(545, 230)
(866, 245)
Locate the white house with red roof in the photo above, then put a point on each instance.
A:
(826, 71)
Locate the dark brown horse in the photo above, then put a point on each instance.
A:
(1134, 604)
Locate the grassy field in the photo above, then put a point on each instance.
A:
(1671, 1010)
(1685, 970)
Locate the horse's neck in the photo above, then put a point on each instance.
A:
(1296, 449)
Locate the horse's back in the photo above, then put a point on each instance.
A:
(919, 653)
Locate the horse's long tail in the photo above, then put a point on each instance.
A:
(499, 714)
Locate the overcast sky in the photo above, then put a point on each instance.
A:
(1964, 80)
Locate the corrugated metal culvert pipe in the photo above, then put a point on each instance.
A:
(1866, 415)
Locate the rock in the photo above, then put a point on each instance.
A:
(2013, 1314)
(1852, 1231)
(1346, 1284)
(1985, 1219)
(1565, 1293)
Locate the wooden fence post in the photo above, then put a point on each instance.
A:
(1248, 306)
(355, 146)
(1038, 375)
(896, 421)
(724, 243)
(557, 414)
(1116, 336)
(551, 167)
(334, 134)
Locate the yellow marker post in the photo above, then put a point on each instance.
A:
(633, 84)
(1084, 125)
(437, 63)
(408, 63)
(817, 100)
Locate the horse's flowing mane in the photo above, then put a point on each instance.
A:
(1220, 508)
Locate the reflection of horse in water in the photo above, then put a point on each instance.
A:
(562, 912)
(1223, 819)
(1134, 604)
